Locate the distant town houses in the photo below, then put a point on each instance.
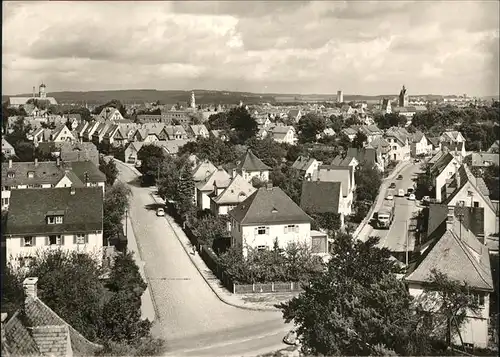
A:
(306, 165)
(250, 166)
(17, 102)
(283, 134)
(42, 219)
(399, 140)
(419, 144)
(213, 184)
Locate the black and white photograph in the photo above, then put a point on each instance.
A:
(250, 178)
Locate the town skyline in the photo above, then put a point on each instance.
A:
(362, 48)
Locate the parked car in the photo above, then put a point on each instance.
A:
(393, 185)
(400, 177)
(160, 212)
(416, 160)
(389, 197)
(291, 338)
(401, 192)
(411, 197)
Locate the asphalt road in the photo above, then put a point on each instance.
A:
(191, 318)
(395, 238)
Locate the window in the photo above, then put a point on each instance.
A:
(31, 186)
(292, 228)
(54, 219)
(81, 239)
(476, 204)
(10, 175)
(6, 188)
(478, 298)
(55, 240)
(28, 241)
(31, 174)
(261, 248)
(5, 201)
(261, 230)
(394, 148)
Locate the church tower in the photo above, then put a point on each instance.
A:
(192, 104)
(41, 91)
(403, 98)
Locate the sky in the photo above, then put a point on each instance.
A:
(302, 47)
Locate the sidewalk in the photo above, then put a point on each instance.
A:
(222, 293)
(148, 307)
(381, 195)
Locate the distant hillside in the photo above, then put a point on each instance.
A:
(207, 97)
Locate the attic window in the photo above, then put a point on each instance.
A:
(10, 175)
(274, 210)
(31, 174)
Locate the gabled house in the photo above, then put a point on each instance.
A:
(350, 133)
(452, 136)
(494, 147)
(383, 149)
(225, 199)
(457, 149)
(203, 170)
(398, 139)
(79, 152)
(40, 135)
(419, 144)
(283, 134)
(294, 115)
(7, 149)
(347, 160)
(371, 131)
(343, 174)
(306, 165)
(198, 130)
(436, 144)
(68, 218)
(457, 253)
(367, 155)
(80, 129)
(62, 133)
(219, 134)
(110, 114)
(250, 166)
(98, 135)
(219, 179)
(90, 129)
(464, 189)
(171, 147)
(36, 330)
(484, 159)
(322, 197)
(132, 150)
(115, 136)
(442, 170)
(176, 132)
(270, 217)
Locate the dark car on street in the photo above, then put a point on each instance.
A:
(393, 185)
(400, 177)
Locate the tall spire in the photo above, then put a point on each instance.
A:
(193, 100)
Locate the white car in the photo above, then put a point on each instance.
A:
(426, 199)
(401, 192)
(411, 197)
(389, 197)
(160, 212)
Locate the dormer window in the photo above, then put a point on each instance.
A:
(31, 174)
(54, 217)
(10, 175)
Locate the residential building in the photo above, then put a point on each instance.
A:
(225, 199)
(203, 170)
(455, 148)
(196, 131)
(372, 132)
(16, 102)
(176, 116)
(132, 150)
(484, 159)
(176, 132)
(367, 155)
(7, 149)
(36, 330)
(48, 174)
(343, 174)
(80, 129)
(494, 147)
(100, 131)
(250, 166)
(283, 134)
(115, 136)
(110, 114)
(398, 139)
(345, 160)
(323, 197)
(386, 106)
(270, 217)
(436, 144)
(350, 133)
(457, 253)
(452, 136)
(419, 144)
(79, 152)
(306, 165)
(383, 149)
(172, 147)
(67, 218)
(218, 180)
(465, 190)
(442, 170)
(294, 115)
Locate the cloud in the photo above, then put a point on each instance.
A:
(289, 47)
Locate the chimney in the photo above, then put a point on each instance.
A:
(4, 321)
(36, 162)
(457, 179)
(10, 163)
(30, 287)
(269, 186)
(58, 162)
(234, 173)
(450, 218)
(72, 191)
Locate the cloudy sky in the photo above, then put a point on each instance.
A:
(361, 47)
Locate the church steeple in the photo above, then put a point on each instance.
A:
(192, 103)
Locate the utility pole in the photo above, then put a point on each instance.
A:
(126, 223)
(406, 230)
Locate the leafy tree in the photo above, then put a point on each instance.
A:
(289, 180)
(352, 307)
(115, 103)
(268, 150)
(336, 123)
(359, 140)
(389, 120)
(151, 157)
(244, 125)
(212, 148)
(219, 121)
(169, 179)
(109, 169)
(185, 189)
(116, 202)
(84, 113)
(309, 126)
(327, 220)
(209, 229)
(25, 150)
(368, 180)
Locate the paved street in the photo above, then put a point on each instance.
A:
(190, 316)
(395, 238)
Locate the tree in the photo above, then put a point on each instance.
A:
(151, 157)
(116, 202)
(109, 169)
(309, 126)
(327, 220)
(368, 181)
(244, 125)
(209, 229)
(352, 306)
(84, 113)
(268, 150)
(185, 189)
(337, 124)
(115, 103)
(219, 121)
(359, 140)
(211, 148)
(289, 180)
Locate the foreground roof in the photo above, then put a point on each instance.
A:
(237, 191)
(250, 162)
(269, 205)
